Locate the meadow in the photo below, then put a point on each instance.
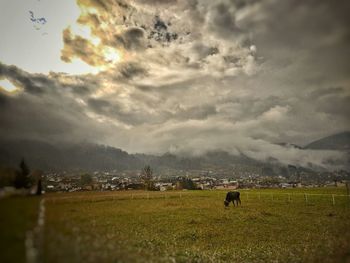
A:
(17, 216)
(281, 225)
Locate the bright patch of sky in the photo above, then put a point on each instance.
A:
(37, 49)
(7, 85)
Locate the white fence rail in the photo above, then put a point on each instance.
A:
(290, 196)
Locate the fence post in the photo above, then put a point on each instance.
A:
(271, 196)
(288, 197)
(333, 200)
(305, 196)
(247, 195)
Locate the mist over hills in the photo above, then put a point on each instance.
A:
(339, 141)
(93, 157)
(83, 156)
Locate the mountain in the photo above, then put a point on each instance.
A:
(339, 141)
(83, 156)
(210, 160)
(289, 145)
(93, 157)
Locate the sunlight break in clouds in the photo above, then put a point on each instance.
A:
(37, 49)
(7, 85)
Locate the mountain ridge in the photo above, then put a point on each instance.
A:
(339, 141)
(94, 157)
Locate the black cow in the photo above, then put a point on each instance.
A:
(232, 197)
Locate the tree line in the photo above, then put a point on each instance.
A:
(21, 177)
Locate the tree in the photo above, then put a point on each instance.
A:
(187, 183)
(39, 188)
(22, 179)
(147, 177)
(85, 179)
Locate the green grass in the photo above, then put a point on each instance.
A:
(17, 216)
(162, 227)
(112, 227)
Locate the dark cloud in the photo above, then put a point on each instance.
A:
(317, 93)
(196, 76)
(222, 21)
(195, 113)
(3, 100)
(161, 31)
(131, 70)
(99, 105)
(25, 117)
(314, 33)
(116, 110)
(132, 38)
(335, 106)
(159, 25)
(78, 89)
(34, 84)
(203, 50)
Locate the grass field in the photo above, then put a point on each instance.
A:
(17, 216)
(193, 226)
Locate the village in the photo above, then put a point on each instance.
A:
(113, 181)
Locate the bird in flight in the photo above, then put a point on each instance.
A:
(38, 22)
(41, 20)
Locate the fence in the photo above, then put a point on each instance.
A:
(246, 196)
(307, 198)
(119, 196)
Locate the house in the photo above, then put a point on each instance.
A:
(226, 184)
(286, 185)
(164, 186)
(204, 186)
(87, 187)
(64, 186)
(135, 186)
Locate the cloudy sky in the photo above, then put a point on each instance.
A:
(180, 76)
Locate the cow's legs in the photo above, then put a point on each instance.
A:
(233, 202)
(239, 201)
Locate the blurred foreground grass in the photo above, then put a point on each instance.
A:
(17, 216)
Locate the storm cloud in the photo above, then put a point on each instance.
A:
(189, 77)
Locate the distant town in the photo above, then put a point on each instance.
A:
(195, 180)
(12, 180)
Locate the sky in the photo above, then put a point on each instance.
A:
(178, 76)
